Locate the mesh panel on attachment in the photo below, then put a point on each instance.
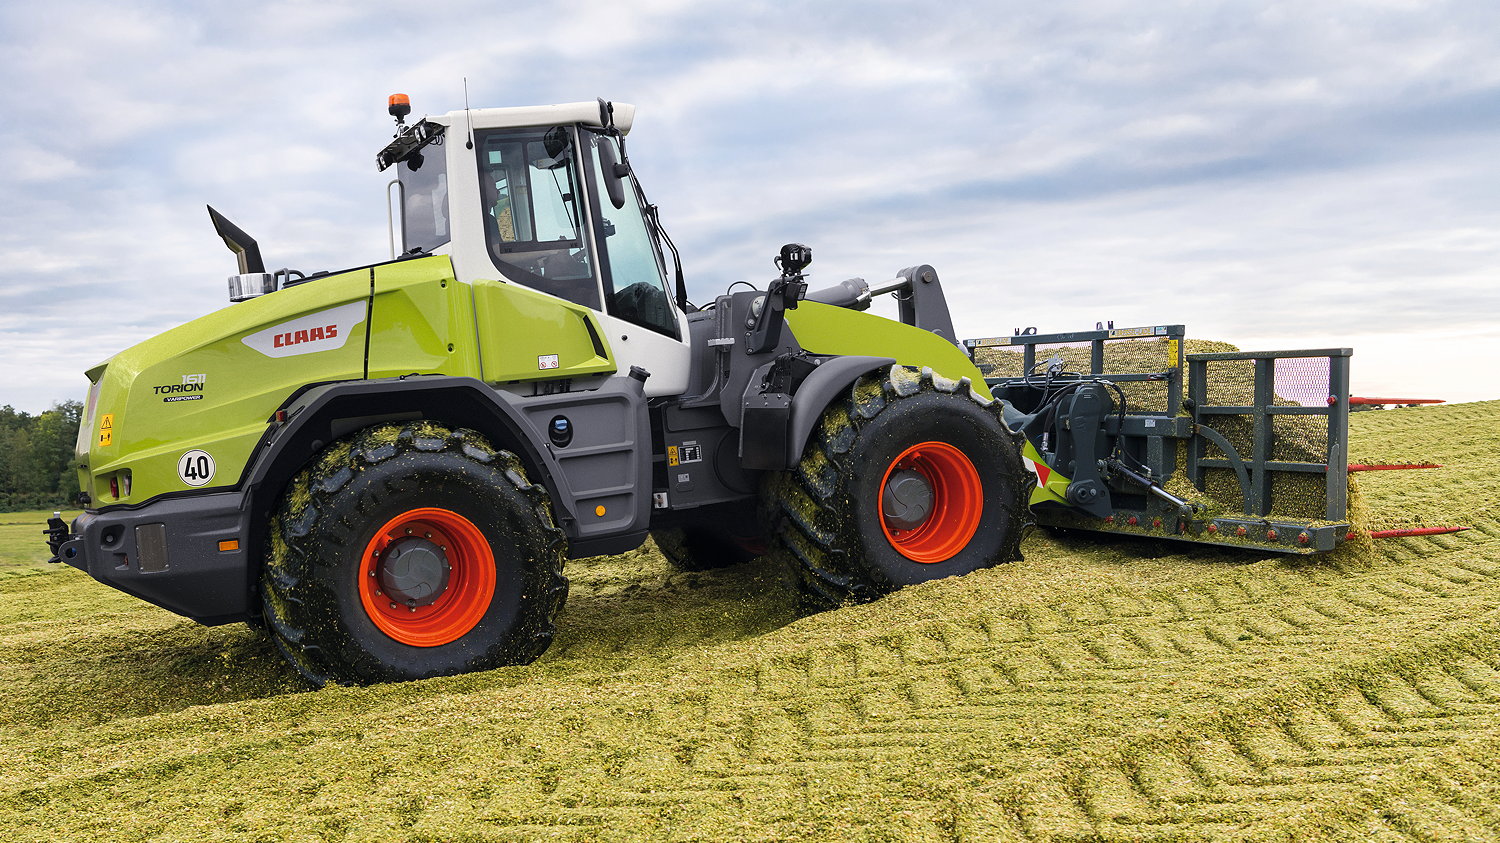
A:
(1121, 356)
(1000, 362)
(1239, 430)
(1299, 438)
(1231, 383)
(1298, 491)
(1296, 495)
(1302, 380)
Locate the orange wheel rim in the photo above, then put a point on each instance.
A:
(957, 502)
(445, 612)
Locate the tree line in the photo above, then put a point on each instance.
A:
(36, 457)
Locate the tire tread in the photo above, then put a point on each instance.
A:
(805, 507)
(298, 609)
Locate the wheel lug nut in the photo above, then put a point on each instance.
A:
(393, 605)
(408, 531)
(427, 535)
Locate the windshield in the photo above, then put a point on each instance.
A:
(424, 199)
(528, 182)
(634, 283)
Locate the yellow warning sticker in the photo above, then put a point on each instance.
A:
(107, 429)
(671, 455)
(1172, 353)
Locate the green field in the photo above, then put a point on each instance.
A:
(1094, 691)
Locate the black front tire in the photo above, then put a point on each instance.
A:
(327, 527)
(825, 515)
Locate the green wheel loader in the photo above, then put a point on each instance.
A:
(386, 466)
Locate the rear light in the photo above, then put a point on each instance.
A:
(119, 484)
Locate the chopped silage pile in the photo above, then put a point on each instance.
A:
(1097, 690)
(1462, 438)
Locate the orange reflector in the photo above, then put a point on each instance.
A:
(398, 99)
(599, 510)
(228, 545)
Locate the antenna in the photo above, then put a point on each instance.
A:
(467, 118)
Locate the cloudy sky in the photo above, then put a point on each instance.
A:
(1279, 174)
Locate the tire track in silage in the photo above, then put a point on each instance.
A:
(870, 690)
(901, 690)
(1339, 758)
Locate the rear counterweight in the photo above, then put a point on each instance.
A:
(187, 555)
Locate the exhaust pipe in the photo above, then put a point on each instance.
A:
(253, 280)
(251, 285)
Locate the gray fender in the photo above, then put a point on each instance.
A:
(819, 390)
(607, 467)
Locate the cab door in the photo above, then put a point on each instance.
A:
(548, 223)
(638, 306)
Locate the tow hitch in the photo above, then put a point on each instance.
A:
(56, 533)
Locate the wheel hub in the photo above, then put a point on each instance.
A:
(930, 502)
(414, 571)
(906, 501)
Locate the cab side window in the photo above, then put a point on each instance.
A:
(534, 226)
(424, 205)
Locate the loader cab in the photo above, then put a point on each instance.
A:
(540, 200)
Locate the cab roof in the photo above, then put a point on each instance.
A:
(586, 113)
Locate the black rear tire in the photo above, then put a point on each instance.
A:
(710, 537)
(696, 548)
(826, 515)
(329, 618)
